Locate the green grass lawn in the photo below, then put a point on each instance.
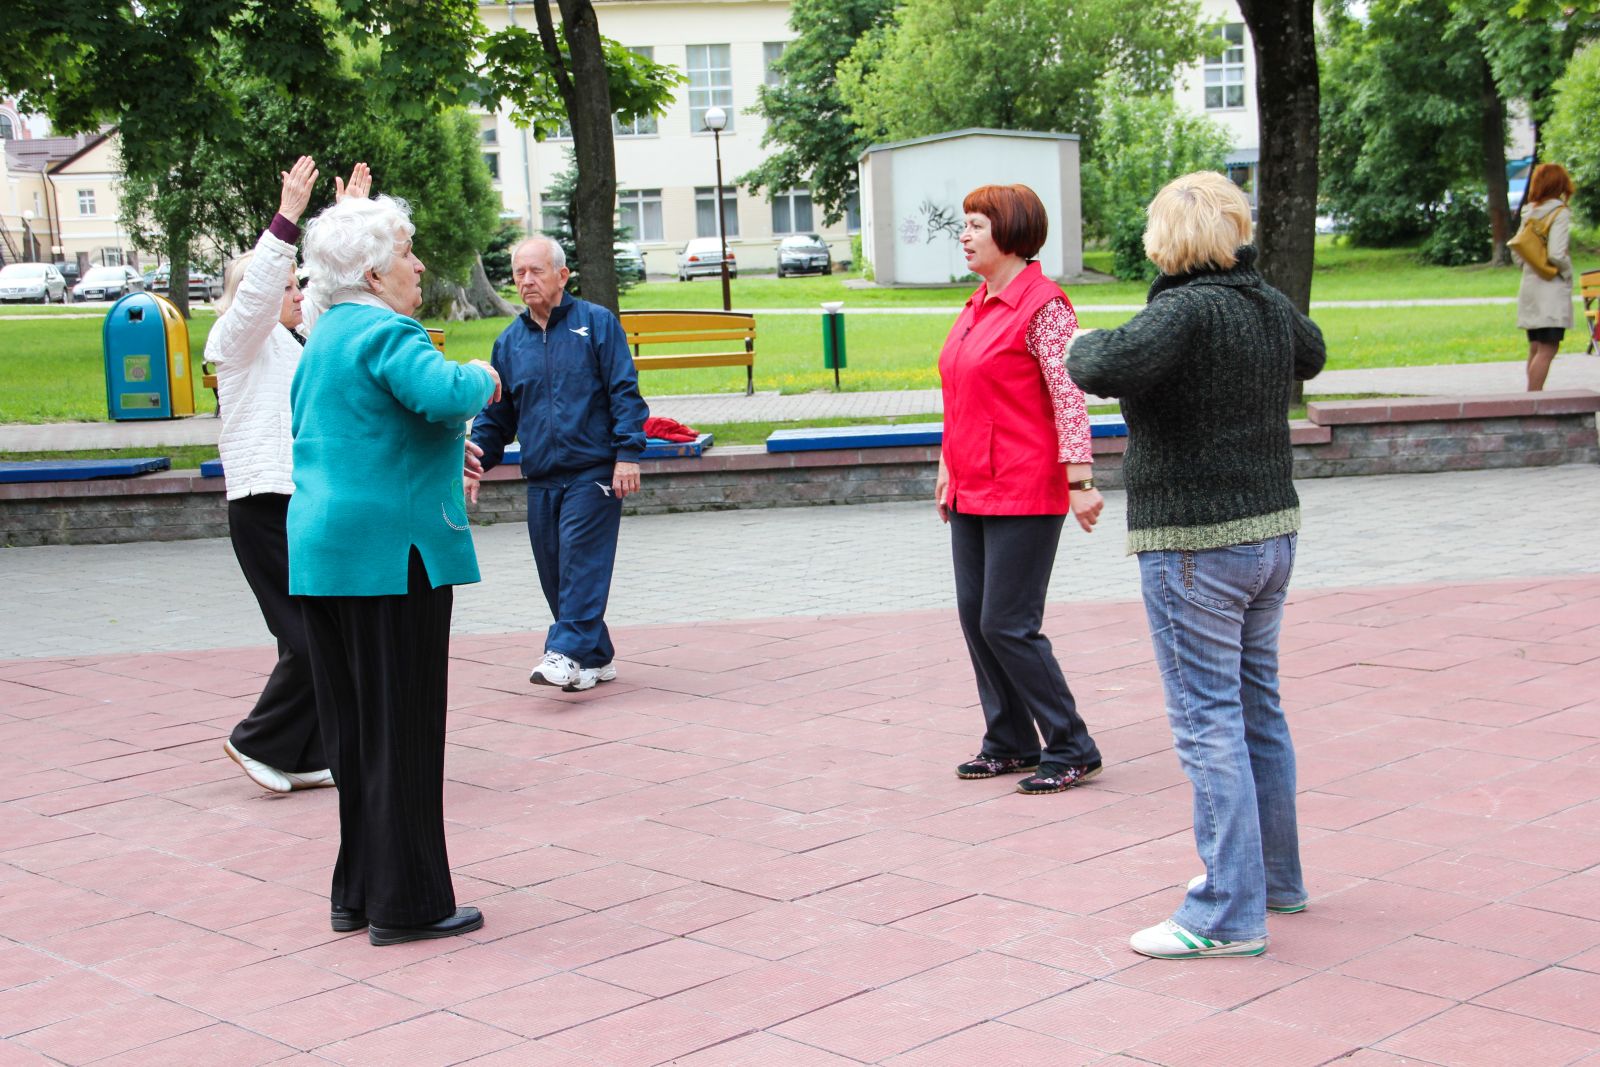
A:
(51, 371)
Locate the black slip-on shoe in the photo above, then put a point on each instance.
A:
(347, 920)
(464, 921)
(986, 766)
(1057, 778)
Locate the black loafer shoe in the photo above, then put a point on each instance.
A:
(464, 921)
(345, 920)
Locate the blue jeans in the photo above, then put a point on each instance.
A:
(1214, 620)
(573, 521)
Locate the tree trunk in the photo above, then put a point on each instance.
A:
(1287, 96)
(585, 88)
(178, 274)
(1494, 169)
(483, 297)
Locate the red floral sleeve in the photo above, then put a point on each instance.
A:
(1048, 334)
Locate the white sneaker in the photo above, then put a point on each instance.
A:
(310, 779)
(269, 778)
(1277, 909)
(555, 669)
(1169, 941)
(589, 677)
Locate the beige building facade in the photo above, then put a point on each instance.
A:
(666, 167)
(60, 201)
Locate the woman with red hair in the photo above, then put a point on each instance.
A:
(1544, 305)
(1014, 462)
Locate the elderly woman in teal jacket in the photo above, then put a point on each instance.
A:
(378, 535)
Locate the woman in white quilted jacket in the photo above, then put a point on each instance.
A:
(255, 349)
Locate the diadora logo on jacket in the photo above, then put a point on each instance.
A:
(581, 331)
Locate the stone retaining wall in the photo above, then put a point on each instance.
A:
(1338, 438)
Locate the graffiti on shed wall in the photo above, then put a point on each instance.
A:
(929, 222)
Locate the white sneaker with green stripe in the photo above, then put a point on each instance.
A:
(1169, 941)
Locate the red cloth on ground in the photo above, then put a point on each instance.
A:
(664, 429)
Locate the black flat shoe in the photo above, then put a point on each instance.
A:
(346, 920)
(464, 921)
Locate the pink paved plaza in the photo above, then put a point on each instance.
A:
(751, 849)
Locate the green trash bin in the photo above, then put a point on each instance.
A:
(833, 353)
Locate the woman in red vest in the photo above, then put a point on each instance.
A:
(1015, 461)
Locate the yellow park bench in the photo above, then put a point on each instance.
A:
(645, 328)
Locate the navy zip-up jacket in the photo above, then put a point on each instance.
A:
(570, 393)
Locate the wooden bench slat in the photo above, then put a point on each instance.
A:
(695, 359)
(657, 337)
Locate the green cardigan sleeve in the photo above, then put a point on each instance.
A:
(421, 379)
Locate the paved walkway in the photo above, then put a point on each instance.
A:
(750, 849)
(814, 561)
(1575, 371)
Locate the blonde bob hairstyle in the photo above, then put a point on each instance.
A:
(347, 240)
(1197, 220)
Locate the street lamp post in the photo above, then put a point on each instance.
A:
(716, 121)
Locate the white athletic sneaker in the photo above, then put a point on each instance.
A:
(269, 778)
(555, 669)
(1277, 909)
(310, 779)
(1169, 941)
(588, 677)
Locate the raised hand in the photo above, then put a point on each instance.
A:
(360, 183)
(297, 183)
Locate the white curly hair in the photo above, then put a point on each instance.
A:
(347, 240)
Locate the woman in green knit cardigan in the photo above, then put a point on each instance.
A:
(1205, 373)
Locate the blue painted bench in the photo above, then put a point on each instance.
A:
(79, 470)
(819, 438)
(654, 448)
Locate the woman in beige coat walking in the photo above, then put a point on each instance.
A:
(1544, 306)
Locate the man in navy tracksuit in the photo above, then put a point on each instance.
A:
(571, 397)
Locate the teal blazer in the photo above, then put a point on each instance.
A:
(379, 422)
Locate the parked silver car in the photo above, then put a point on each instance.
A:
(32, 283)
(702, 258)
(108, 283)
(202, 286)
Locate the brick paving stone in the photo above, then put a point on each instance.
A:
(1471, 1036)
(651, 1033)
(1557, 995)
(1439, 967)
(534, 1009)
(435, 1040)
(992, 1042)
(1241, 1040)
(221, 1043)
(670, 967)
(762, 1050)
(1349, 1009)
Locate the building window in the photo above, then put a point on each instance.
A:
(639, 213)
(705, 211)
(791, 211)
(111, 257)
(644, 125)
(86, 202)
(852, 212)
(491, 160)
(710, 83)
(491, 135)
(1224, 74)
(8, 129)
(769, 55)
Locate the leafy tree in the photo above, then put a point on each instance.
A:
(1573, 135)
(817, 142)
(1144, 141)
(1012, 64)
(560, 206)
(174, 77)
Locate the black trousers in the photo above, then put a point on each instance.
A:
(381, 664)
(282, 730)
(1003, 565)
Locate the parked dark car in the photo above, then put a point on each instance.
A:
(202, 286)
(803, 253)
(630, 261)
(108, 283)
(69, 271)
